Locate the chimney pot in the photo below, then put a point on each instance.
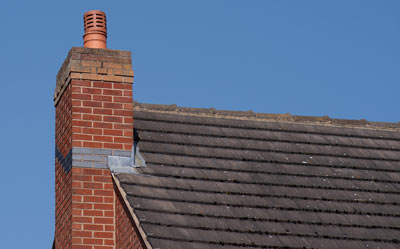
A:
(95, 29)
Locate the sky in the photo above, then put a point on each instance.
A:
(316, 58)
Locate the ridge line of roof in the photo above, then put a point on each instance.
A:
(255, 116)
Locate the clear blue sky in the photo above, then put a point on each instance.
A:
(335, 58)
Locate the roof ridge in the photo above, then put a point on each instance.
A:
(251, 115)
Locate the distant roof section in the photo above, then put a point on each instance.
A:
(250, 115)
(223, 179)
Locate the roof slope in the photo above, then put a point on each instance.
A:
(238, 179)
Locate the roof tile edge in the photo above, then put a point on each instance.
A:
(250, 115)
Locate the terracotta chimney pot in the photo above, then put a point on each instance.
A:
(95, 29)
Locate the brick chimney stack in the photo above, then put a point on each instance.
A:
(93, 101)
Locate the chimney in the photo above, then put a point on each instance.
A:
(93, 101)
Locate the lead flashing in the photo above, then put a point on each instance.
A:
(94, 158)
(121, 164)
(127, 164)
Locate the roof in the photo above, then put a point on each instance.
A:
(223, 179)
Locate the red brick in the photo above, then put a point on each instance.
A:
(92, 144)
(78, 227)
(91, 117)
(128, 133)
(82, 178)
(113, 146)
(108, 186)
(91, 90)
(76, 184)
(128, 79)
(128, 93)
(108, 199)
(103, 192)
(76, 212)
(112, 92)
(82, 219)
(76, 129)
(106, 235)
(102, 125)
(76, 102)
(123, 86)
(103, 206)
(123, 139)
(81, 191)
(103, 247)
(81, 234)
(90, 76)
(93, 199)
(123, 113)
(122, 99)
(92, 131)
(92, 241)
(108, 213)
(112, 65)
(81, 96)
(93, 227)
(81, 137)
(76, 170)
(113, 132)
(102, 111)
(101, 70)
(112, 119)
(91, 63)
(106, 179)
(102, 84)
(123, 126)
(76, 89)
(81, 109)
(92, 213)
(81, 247)
(103, 138)
(83, 205)
(99, 220)
(112, 105)
(128, 120)
(81, 83)
(76, 240)
(82, 123)
(93, 185)
(92, 104)
(76, 198)
(128, 107)
(102, 98)
(93, 171)
(77, 143)
(109, 242)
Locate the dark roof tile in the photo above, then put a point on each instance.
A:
(241, 179)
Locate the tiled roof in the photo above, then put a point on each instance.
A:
(218, 179)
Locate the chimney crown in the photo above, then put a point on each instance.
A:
(95, 25)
